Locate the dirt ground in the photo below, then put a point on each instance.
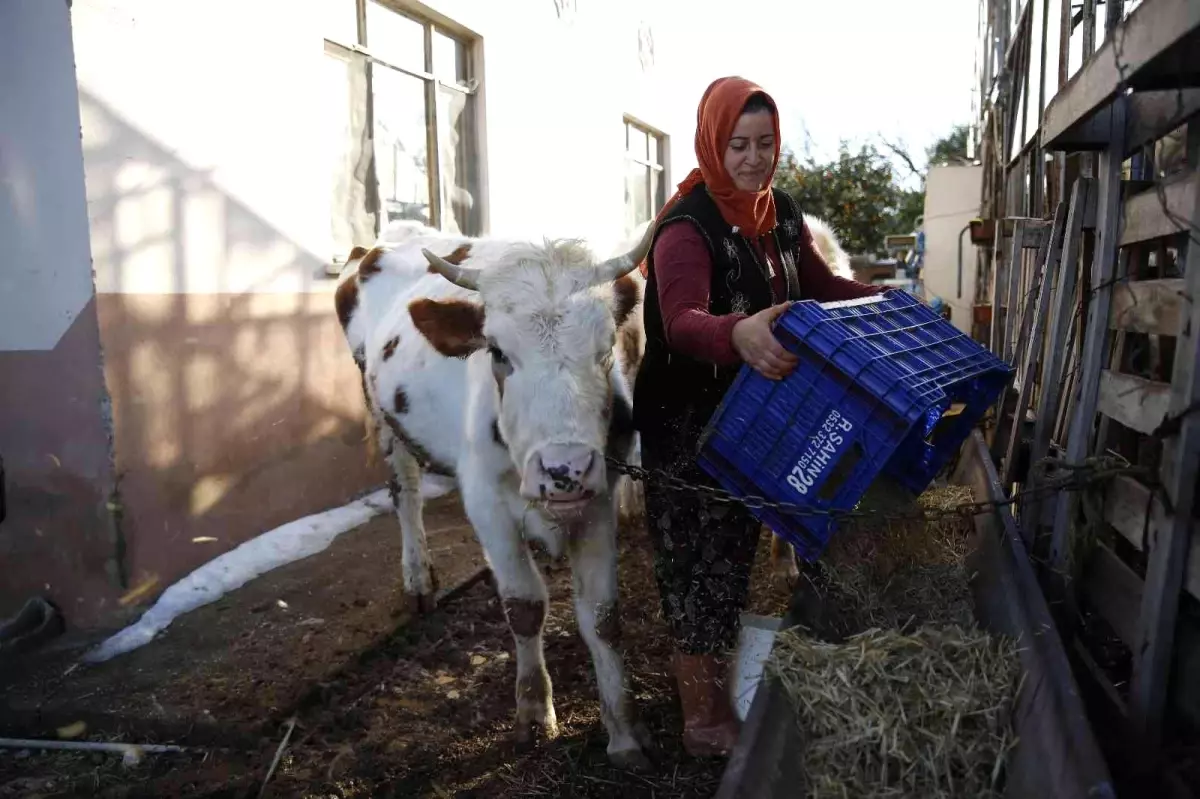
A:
(384, 703)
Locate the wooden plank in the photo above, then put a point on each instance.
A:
(1015, 267)
(998, 283)
(1135, 402)
(1148, 306)
(1060, 334)
(1152, 28)
(1166, 567)
(1144, 218)
(1058, 755)
(1031, 335)
(1116, 358)
(1150, 116)
(1115, 591)
(1135, 513)
(1094, 338)
(1157, 113)
(1027, 302)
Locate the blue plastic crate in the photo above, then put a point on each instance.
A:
(884, 385)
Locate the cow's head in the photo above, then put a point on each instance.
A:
(544, 321)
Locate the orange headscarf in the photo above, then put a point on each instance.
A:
(720, 108)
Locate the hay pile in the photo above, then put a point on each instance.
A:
(893, 715)
(898, 573)
(907, 698)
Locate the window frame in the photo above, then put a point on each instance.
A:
(661, 166)
(433, 84)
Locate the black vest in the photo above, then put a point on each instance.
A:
(675, 395)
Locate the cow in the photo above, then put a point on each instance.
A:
(504, 365)
(829, 246)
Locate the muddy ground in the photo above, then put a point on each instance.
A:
(384, 703)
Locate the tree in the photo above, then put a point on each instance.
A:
(860, 194)
(857, 193)
(948, 149)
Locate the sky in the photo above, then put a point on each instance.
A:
(840, 69)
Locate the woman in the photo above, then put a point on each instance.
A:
(728, 255)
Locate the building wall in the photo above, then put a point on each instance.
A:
(952, 195)
(236, 404)
(58, 538)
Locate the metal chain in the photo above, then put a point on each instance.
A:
(1078, 477)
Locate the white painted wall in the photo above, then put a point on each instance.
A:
(45, 267)
(204, 131)
(952, 195)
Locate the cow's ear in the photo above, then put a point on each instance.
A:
(626, 296)
(453, 327)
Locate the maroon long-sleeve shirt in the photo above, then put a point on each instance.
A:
(683, 266)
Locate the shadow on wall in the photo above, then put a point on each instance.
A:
(236, 404)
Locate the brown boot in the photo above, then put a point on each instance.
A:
(710, 726)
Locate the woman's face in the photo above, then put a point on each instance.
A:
(750, 154)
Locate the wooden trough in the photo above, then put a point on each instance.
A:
(1057, 754)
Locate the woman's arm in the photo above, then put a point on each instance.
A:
(817, 280)
(683, 267)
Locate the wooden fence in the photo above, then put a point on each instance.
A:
(1091, 276)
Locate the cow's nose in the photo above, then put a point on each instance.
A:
(563, 473)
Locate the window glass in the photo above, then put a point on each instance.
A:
(395, 38)
(401, 146)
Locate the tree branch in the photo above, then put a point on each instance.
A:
(904, 156)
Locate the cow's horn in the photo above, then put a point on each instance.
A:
(463, 276)
(622, 265)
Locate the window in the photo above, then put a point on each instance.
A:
(403, 133)
(645, 174)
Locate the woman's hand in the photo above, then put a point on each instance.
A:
(757, 346)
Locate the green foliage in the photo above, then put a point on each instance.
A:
(860, 194)
(950, 148)
(856, 193)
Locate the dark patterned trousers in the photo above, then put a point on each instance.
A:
(703, 556)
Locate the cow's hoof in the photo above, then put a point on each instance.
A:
(421, 604)
(529, 734)
(630, 760)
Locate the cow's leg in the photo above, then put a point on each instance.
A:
(420, 582)
(525, 600)
(593, 553)
(783, 562)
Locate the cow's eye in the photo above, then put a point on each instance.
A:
(500, 363)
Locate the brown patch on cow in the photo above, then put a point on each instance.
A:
(608, 623)
(356, 253)
(345, 299)
(629, 345)
(625, 298)
(369, 265)
(414, 448)
(459, 255)
(453, 327)
(401, 401)
(496, 435)
(525, 616)
(389, 349)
